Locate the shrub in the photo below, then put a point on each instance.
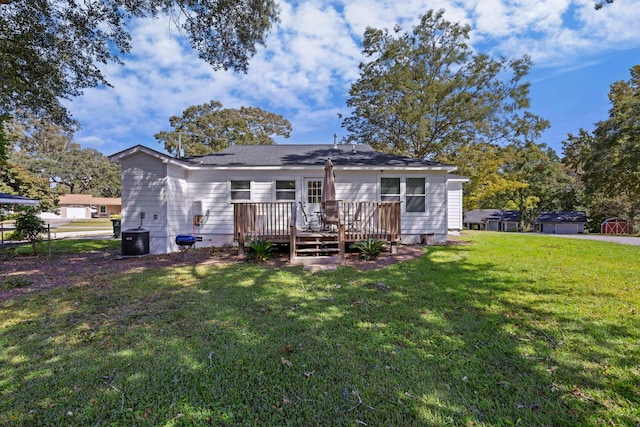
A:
(369, 249)
(260, 250)
(30, 227)
(13, 282)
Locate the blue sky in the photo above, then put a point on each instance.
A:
(312, 57)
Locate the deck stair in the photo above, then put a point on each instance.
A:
(317, 248)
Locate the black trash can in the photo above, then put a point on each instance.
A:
(117, 227)
(135, 242)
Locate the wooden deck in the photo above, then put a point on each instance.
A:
(279, 222)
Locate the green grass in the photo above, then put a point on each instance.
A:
(511, 329)
(71, 246)
(84, 225)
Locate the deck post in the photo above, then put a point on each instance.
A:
(341, 238)
(292, 233)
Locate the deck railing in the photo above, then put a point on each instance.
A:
(371, 220)
(276, 221)
(262, 220)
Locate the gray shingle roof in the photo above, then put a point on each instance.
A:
(304, 155)
(480, 216)
(568, 216)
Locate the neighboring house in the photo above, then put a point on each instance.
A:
(454, 202)
(275, 191)
(80, 206)
(491, 220)
(569, 222)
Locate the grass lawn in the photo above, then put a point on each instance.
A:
(511, 329)
(71, 246)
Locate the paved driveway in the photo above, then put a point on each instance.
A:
(625, 240)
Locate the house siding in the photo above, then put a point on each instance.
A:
(454, 206)
(166, 192)
(144, 190)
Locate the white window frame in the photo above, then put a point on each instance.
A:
(403, 191)
(230, 190)
(306, 190)
(381, 195)
(294, 191)
(407, 196)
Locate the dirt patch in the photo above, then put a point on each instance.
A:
(33, 274)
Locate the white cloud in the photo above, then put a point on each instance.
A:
(312, 57)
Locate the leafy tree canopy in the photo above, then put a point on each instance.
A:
(482, 163)
(427, 92)
(207, 128)
(48, 151)
(599, 5)
(51, 49)
(608, 160)
(15, 180)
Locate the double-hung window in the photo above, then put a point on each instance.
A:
(240, 190)
(416, 195)
(390, 189)
(286, 190)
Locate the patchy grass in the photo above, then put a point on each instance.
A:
(511, 329)
(70, 246)
(94, 224)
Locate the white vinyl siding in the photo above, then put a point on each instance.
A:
(454, 205)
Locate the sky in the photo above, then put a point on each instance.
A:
(312, 55)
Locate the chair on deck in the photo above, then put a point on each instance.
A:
(330, 215)
(307, 221)
(354, 219)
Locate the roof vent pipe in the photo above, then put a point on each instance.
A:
(353, 148)
(335, 143)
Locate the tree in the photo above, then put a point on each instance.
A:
(15, 180)
(48, 151)
(543, 178)
(208, 128)
(482, 163)
(3, 141)
(427, 92)
(51, 50)
(599, 5)
(29, 226)
(608, 161)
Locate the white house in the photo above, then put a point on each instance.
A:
(260, 190)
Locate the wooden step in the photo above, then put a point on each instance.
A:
(316, 260)
(316, 250)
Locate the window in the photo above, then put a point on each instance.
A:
(240, 190)
(390, 189)
(314, 191)
(103, 209)
(416, 195)
(286, 190)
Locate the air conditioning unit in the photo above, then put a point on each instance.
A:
(135, 242)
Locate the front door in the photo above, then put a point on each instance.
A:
(311, 200)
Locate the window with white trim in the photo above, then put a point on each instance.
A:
(240, 190)
(286, 190)
(389, 189)
(416, 196)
